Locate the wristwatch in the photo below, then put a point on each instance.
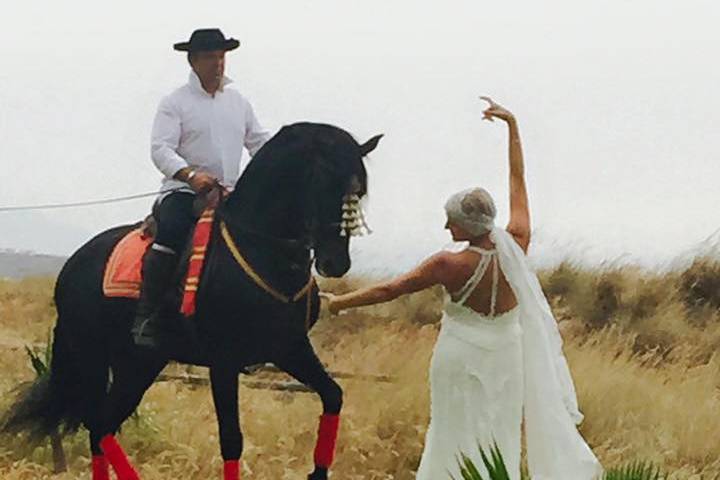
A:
(190, 176)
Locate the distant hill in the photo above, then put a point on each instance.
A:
(40, 232)
(18, 265)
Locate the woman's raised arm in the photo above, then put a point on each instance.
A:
(519, 224)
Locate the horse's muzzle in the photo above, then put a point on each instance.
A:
(332, 268)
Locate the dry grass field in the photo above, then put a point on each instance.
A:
(642, 347)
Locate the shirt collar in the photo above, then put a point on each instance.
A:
(195, 84)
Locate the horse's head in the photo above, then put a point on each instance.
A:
(300, 185)
(337, 183)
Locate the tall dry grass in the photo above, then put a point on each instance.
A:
(641, 346)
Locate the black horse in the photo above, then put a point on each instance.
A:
(287, 206)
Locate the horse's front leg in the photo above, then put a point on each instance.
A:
(224, 382)
(302, 363)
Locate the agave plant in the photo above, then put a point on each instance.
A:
(634, 471)
(495, 466)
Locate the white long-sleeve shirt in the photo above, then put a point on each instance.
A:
(193, 128)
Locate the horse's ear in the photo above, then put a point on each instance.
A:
(370, 145)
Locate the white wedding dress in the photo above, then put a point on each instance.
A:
(487, 371)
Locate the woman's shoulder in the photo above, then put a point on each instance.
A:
(455, 266)
(454, 256)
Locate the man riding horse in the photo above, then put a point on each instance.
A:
(197, 141)
(295, 206)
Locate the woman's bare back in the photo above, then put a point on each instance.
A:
(480, 300)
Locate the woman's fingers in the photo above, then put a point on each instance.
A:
(494, 110)
(487, 99)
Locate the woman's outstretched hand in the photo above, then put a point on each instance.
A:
(331, 302)
(496, 111)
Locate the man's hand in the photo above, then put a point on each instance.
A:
(201, 182)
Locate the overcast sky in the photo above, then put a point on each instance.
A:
(616, 101)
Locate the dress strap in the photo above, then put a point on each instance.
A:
(464, 293)
(495, 280)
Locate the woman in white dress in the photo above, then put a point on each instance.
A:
(498, 359)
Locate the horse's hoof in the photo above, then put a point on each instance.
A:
(319, 474)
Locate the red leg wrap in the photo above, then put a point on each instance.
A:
(100, 468)
(327, 437)
(231, 470)
(117, 458)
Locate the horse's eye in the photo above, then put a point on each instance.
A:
(355, 185)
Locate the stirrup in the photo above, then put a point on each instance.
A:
(144, 333)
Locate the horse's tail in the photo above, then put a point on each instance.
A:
(48, 405)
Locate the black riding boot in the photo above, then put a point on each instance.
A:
(157, 271)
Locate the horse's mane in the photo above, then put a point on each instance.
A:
(299, 141)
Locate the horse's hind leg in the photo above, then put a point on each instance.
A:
(225, 395)
(132, 376)
(80, 371)
(94, 382)
(302, 363)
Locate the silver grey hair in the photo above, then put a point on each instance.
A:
(473, 210)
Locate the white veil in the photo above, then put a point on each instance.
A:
(556, 451)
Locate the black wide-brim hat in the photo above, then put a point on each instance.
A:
(206, 40)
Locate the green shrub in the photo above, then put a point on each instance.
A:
(495, 466)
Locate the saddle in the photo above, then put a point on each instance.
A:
(123, 270)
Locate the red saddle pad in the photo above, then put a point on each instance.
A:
(123, 270)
